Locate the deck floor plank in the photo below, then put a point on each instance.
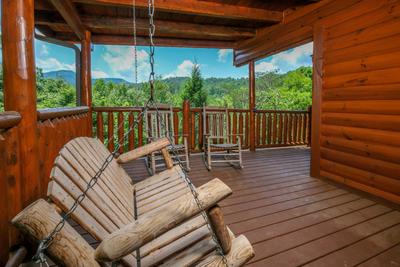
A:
(293, 219)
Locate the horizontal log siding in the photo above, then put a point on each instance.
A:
(360, 107)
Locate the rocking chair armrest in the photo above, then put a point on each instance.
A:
(156, 222)
(143, 150)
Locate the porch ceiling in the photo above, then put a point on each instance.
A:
(189, 23)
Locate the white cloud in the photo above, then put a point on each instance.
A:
(98, 74)
(53, 64)
(265, 67)
(287, 60)
(182, 70)
(44, 50)
(121, 61)
(223, 54)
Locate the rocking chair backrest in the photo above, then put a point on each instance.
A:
(216, 122)
(109, 205)
(154, 124)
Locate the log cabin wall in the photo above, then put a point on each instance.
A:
(360, 99)
(356, 98)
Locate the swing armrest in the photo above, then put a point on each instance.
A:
(156, 222)
(143, 150)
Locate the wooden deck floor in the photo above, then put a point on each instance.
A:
(292, 219)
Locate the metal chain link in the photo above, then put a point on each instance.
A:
(135, 42)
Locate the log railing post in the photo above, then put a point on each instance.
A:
(20, 95)
(20, 87)
(186, 118)
(308, 126)
(252, 105)
(86, 78)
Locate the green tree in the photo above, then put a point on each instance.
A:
(193, 88)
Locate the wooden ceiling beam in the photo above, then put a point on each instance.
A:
(163, 26)
(201, 8)
(143, 41)
(171, 42)
(67, 10)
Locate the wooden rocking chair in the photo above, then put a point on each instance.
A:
(155, 130)
(218, 142)
(152, 223)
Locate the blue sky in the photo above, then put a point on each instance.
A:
(118, 61)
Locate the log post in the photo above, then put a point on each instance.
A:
(252, 105)
(20, 88)
(68, 248)
(318, 72)
(308, 121)
(218, 225)
(186, 120)
(86, 77)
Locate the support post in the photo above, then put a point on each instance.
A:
(86, 77)
(318, 73)
(252, 105)
(20, 88)
(186, 120)
(19, 95)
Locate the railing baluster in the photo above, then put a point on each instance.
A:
(257, 128)
(246, 130)
(110, 131)
(192, 132)
(121, 132)
(241, 129)
(131, 138)
(176, 127)
(200, 133)
(140, 131)
(280, 128)
(100, 127)
(275, 129)
(264, 129)
(234, 126)
(269, 129)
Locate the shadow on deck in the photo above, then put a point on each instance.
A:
(292, 219)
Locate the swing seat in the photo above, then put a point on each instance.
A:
(155, 222)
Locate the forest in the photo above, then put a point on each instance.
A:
(289, 91)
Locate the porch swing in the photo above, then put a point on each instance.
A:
(163, 220)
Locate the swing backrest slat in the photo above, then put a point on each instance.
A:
(110, 205)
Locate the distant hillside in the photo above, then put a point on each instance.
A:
(216, 86)
(70, 77)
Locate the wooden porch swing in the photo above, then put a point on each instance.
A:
(155, 222)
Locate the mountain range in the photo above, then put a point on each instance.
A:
(70, 77)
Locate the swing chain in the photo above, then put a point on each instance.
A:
(170, 137)
(152, 30)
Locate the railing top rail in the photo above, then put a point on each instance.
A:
(52, 113)
(279, 111)
(9, 119)
(128, 109)
(196, 109)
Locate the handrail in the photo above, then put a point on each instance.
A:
(128, 109)
(9, 119)
(52, 113)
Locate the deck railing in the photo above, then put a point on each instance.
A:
(273, 128)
